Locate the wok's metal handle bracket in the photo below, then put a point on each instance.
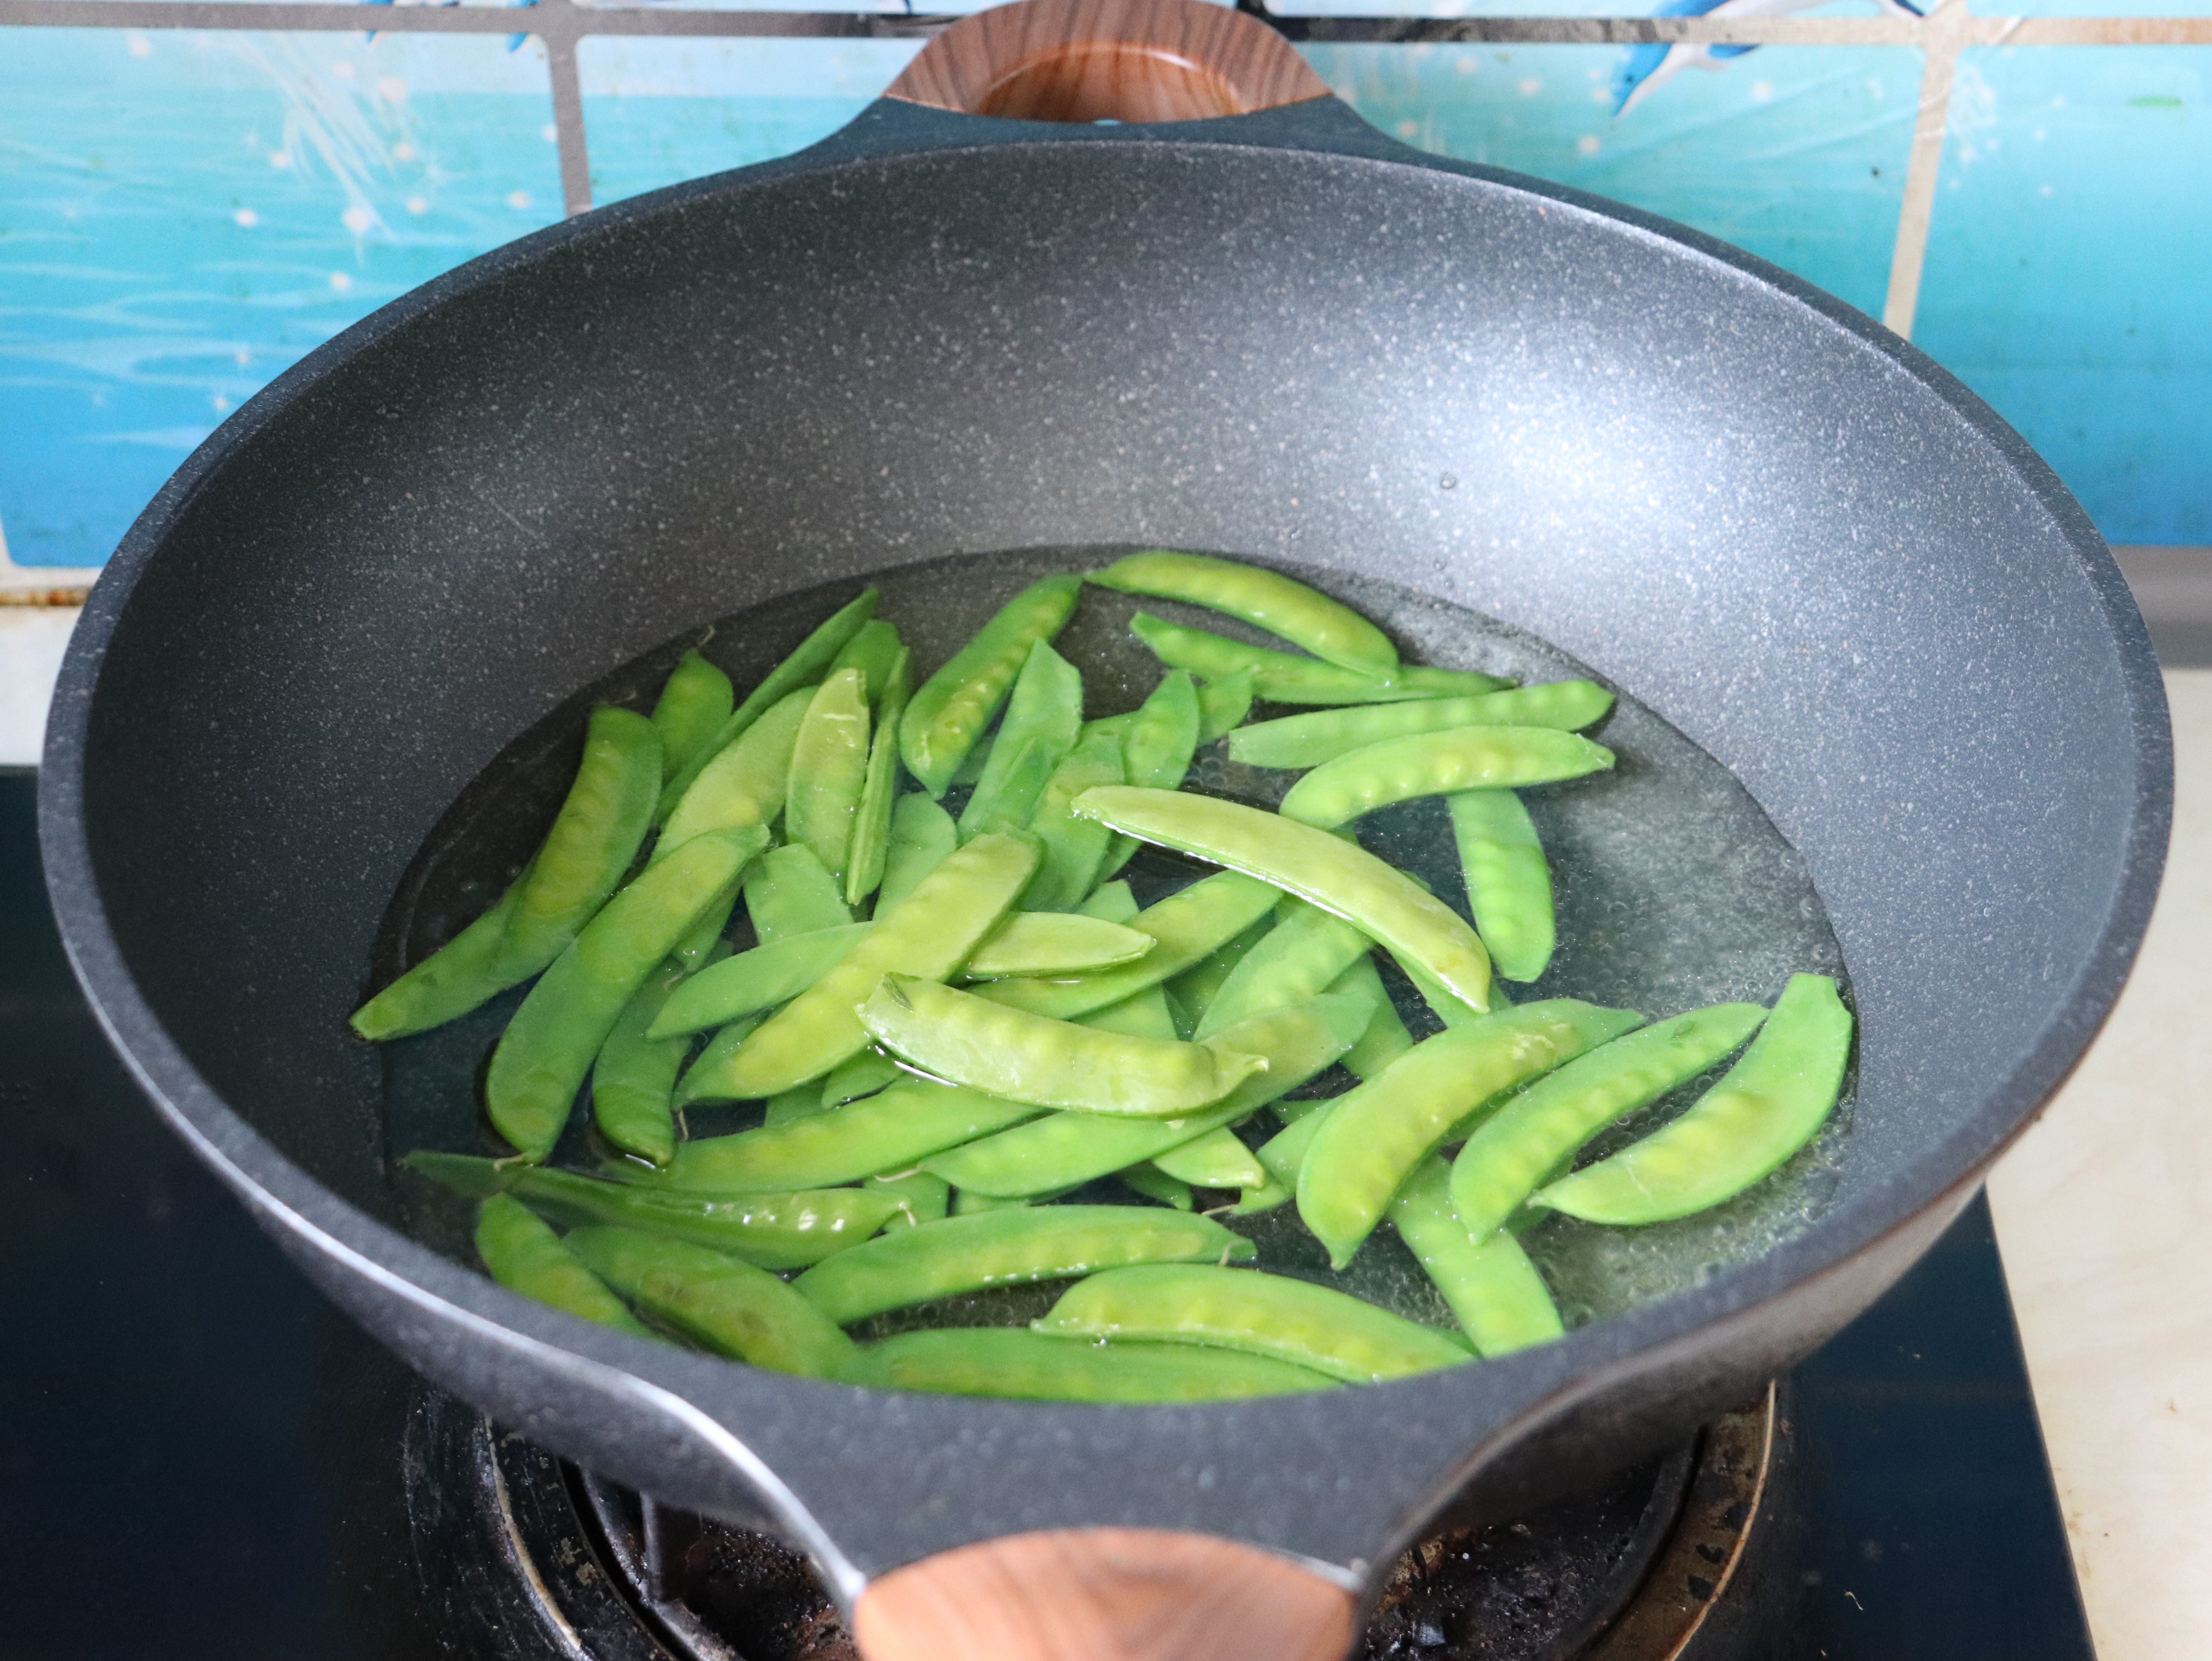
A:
(1108, 60)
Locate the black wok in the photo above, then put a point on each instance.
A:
(1277, 333)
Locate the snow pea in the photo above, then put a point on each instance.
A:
(1044, 714)
(1295, 960)
(1336, 875)
(1192, 992)
(1332, 631)
(1111, 901)
(549, 1046)
(1532, 1135)
(1311, 740)
(704, 944)
(871, 830)
(1008, 1247)
(1158, 740)
(448, 983)
(808, 661)
(525, 1256)
(1053, 943)
(747, 982)
(895, 1128)
(790, 892)
(728, 1306)
(1013, 1363)
(1185, 926)
(801, 1101)
(874, 651)
(696, 1084)
(921, 1197)
(1217, 1159)
(1154, 1183)
(948, 713)
(1296, 1321)
(1282, 678)
(694, 701)
(1033, 1058)
(967, 1203)
(1766, 1107)
(1453, 1012)
(1223, 704)
(593, 839)
(828, 771)
(634, 1079)
(922, 833)
(1386, 1037)
(1378, 1133)
(1509, 886)
(1495, 1292)
(1144, 1015)
(744, 783)
(1074, 850)
(861, 1075)
(1437, 763)
(929, 934)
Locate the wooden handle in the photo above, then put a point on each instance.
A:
(1104, 1594)
(1108, 60)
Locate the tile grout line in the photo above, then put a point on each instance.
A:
(1945, 31)
(568, 124)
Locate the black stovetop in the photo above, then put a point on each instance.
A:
(190, 1465)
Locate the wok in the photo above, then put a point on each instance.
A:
(1270, 331)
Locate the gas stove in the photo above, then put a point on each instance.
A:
(203, 1458)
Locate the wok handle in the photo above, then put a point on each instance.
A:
(1099, 60)
(1104, 1594)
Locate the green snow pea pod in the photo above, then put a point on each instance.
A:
(1158, 740)
(1439, 763)
(1495, 1292)
(1053, 943)
(1283, 1155)
(593, 839)
(1453, 1012)
(1111, 901)
(1309, 1326)
(1145, 1015)
(1295, 960)
(1377, 1133)
(1308, 740)
(725, 1306)
(1154, 1183)
(1074, 850)
(801, 1101)
(704, 944)
(1386, 1037)
(1044, 714)
(1064, 1149)
(1267, 1196)
(861, 1075)
(874, 650)
(634, 1079)
(549, 1046)
(1014, 1364)
(693, 1084)
(448, 983)
(929, 934)
(948, 713)
(1766, 1107)
(694, 701)
(1217, 1159)
(968, 1204)
(828, 771)
(1283, 677)
(1033, 1058)
(1192, 992)
(891, 1130)
(742, 784)
(746, 983)
(1185, 926)
(922, 833)
(770, 1231)
(871, 830)
(1223, 704)
(1336, 875)
(806, 665)
(525, 1256)
(921, 1197)
(790, 892)
(1332, 631)
(1008, 1247)
(1531, 1136)
(1509, 886)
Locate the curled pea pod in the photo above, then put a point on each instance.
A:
(1008, 1247)
(788, 1230)
(694, 701)
(806, 665)
(1336, 875)
(1311, 1326)
(1222, 704)
(451, 981)
(828, 771)
(525, 1256)
(719, 1302)
(1311, 740)
(1532, 1134)
(743, 784)
(1015, 1364)
(1217, 1159)
(1053, 943)
(1379, 1133)
(928, 934)
(1032, 1058)
(1044, 715)
(1074, 850)
(1437, 763)
(1295, 960)
(1333, 632)
(1185, 926)
(747, 982)
(790, 892)
(1283, 677)
(1766, 1107)
(1386, 1037)
(948, 713)
(1509, 886)
(921, 834)
(874, 650)
(593, 839)
(872, 828)
(549, 1046)
(634, 1079)
(1493, 1291)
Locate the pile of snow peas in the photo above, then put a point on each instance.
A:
(963, 1030)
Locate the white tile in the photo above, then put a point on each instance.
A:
(32, 640)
